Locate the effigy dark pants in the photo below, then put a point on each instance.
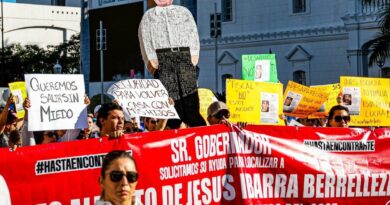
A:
(177, 73)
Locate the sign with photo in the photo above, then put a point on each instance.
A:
(301, 101)
(254, 102)
(18, 90)
(368, 100)
(259, 67)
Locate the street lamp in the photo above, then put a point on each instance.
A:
(57, 68)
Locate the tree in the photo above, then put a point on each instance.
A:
(379, 47)
(18, 60)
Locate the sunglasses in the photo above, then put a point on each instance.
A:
(117, 176)
(154, 121)
(341, 118)
(50, 134)
(221, 114)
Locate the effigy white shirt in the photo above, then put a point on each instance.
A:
(167, 27)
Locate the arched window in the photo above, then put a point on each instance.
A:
(299, 77)
(385, 72)
(224, 77)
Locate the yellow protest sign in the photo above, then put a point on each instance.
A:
(301, 101)
(332, 90)
(254, 102)
(18, 90)
(367, 100)
(206, 97)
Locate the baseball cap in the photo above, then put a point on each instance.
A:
(215, 107)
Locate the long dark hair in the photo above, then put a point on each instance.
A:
(333, 110)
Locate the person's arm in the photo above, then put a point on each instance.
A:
(162, 123)
(4, 113)
(27, 136)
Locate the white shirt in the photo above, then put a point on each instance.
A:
(167, 27)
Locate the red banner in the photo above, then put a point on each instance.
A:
(211, 165)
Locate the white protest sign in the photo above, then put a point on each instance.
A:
(57, 101)
(143, 97)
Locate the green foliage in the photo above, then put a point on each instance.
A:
(18, 60)
(379, 47)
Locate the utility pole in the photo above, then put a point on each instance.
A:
(101, 47)
(215, 32)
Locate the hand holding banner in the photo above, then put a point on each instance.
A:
(143, 97)
(57, 101)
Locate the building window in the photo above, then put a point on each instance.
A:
(385, 72)
(58, 2)
(299, 77)
(299, 6)
(227, 10)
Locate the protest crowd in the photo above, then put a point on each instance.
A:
(172, 101)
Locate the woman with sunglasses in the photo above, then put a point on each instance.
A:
(338, 117)
(118, 179)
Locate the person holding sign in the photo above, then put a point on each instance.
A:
(169, 43)
(8, 122)
(110, 120)
(338, 117)
(118, 179)
(218, 113)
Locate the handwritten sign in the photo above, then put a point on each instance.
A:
(254, 102)
(18, 90)
(332, 90)
(301, 101)
(367, 99)
(259, 67)
(143, 97)
(57, 101)
(206, 97)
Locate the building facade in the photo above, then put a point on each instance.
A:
(315, 42)
(39, 24)
(73, 3)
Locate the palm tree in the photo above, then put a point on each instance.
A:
(379, 47)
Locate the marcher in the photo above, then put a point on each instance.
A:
(338, 117)
(88, 132)
(218, 113)
(8, 122)
(118, 179)
(15, 140)
(111, 120)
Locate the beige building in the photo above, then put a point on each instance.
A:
(39, 24)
